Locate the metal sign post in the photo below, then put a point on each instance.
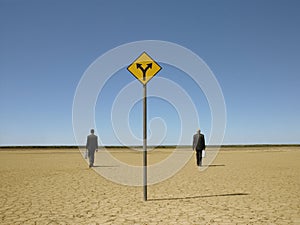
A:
(145, 142)
(144, 68)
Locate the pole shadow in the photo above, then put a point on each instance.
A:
(200, 196)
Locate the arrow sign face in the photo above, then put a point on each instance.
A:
(144, 68)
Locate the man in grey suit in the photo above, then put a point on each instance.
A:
(92, 146)
(199, 146)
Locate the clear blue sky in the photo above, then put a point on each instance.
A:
(252, 47)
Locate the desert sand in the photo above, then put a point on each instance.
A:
(241, 186)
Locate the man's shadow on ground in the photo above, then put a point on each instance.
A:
(103, 166)
(213, 165)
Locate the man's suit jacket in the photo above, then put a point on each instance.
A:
(198, 142)
(92, 142)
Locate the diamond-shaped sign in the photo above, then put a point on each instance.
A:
(144, 68)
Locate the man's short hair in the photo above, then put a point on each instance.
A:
(92, 131)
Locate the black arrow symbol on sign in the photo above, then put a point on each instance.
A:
(139, 66)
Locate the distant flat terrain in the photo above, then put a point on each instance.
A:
(243, 185)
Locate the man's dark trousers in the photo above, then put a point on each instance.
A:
(91, 154)
(199, 157)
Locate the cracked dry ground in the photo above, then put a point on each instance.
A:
(243, 186)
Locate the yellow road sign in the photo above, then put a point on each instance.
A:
(144, 68)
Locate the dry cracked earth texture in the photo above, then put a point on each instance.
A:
(242, 186)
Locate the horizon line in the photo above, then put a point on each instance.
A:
(150, 146)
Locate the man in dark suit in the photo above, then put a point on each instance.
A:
(199, 146)
(92, 146)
